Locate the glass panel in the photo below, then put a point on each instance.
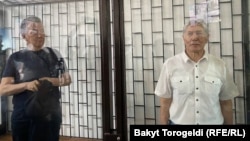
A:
(161, 38)
(73, 28)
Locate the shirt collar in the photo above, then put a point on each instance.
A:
(186, 58)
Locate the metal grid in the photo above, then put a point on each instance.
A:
(153, 31)
(73, 29)
(18, 2)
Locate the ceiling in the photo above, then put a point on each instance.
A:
(17, 2)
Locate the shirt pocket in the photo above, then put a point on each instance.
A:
(180, 84)
(212, 85)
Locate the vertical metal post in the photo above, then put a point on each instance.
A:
(3, 56)
(119, 51)
(3, 99)
(106, 69)
(246, 54)
(120, 81)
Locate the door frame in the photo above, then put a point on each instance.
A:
(113, 131)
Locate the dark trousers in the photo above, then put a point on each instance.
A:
(35, 130)
(170, 122)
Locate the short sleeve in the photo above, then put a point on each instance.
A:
(228, 90)
(163, 88)
(9, 69)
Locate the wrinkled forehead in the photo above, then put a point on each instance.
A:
(195, 27)
(34, 25)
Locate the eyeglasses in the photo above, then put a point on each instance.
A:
(36, 32)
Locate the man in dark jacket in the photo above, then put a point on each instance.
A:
(21, 76)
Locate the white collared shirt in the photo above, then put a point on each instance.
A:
(196, 88)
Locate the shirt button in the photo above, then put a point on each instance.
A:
(197, 99)
(197, 76)
(197, 112)
(197, 88)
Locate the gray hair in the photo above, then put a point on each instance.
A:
(26, 21)
(197, 22)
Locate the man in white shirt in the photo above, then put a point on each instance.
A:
(195, 87)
